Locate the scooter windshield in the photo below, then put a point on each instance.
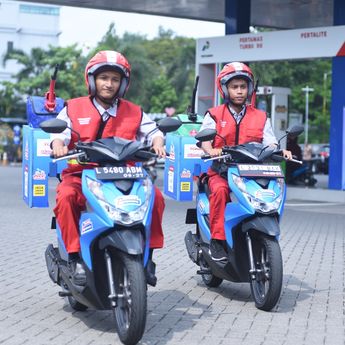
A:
(250, 152)
(110, 149)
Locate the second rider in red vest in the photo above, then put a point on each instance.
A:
(238, 122)
(104, 113)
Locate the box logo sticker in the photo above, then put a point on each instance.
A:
(43, 148)
(191, 151)
(39, 174)
(26, 181)
(26, 150)
(172, 153)
(186, 173)
(185, 186)
(171, 180)
(39, 190)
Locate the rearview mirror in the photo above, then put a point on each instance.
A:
(295, 131)
(169, 124)
(206, 135)
(53, 126)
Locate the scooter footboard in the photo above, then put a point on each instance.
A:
(266, 224)
(127, 240)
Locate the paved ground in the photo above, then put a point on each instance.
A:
(181, 309)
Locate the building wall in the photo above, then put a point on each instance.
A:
(24, 26)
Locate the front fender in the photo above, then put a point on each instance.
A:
(127, 240)
(266, 224)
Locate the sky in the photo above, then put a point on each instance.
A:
(93, 24)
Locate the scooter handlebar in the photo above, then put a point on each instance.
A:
(70, 154)
(295, 161)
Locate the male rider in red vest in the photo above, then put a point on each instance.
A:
(104, 113)
(238, 122)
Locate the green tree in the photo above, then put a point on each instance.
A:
(296, 75)
(37, 67)
(142, 72)
(163, 95)
(11, 103)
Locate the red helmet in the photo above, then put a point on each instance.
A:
(234, 70)
(107, 60)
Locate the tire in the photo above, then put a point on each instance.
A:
(267, 285)
(209, 280)
(75, 304)
(72, 301)
(130, 311)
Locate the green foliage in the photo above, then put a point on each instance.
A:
(10, 100)
(297, 75)
(37, 67)
(163, 74)
(163, 95)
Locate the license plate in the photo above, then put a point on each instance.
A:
(260, 170)
(119, 173)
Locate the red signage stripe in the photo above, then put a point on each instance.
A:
(341, 51)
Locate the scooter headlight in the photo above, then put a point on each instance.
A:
(264, 200)
(95, 187)
(117, 211)
(122, 216)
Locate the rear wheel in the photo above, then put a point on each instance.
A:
(266, 281)
(130, 287)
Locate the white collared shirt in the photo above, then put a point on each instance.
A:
(146, 125)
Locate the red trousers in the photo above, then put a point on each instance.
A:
(219, 196)
(70, 201)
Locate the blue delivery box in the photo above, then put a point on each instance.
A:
(183, 163)
(36, 164)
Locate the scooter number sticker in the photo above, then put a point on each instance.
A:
(258, 170)
(119, 173)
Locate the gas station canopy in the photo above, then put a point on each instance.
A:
(281, 14)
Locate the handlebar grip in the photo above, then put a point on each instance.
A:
(70, 152)
(296, 161)
(206, 157)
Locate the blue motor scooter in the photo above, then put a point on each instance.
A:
(251, 220)
(114, 231)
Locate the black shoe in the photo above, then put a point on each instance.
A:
(217, 250)
(150, 271)
(77, 271)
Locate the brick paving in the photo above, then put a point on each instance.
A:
(181, 310)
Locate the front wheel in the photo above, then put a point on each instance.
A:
(130, 287)
(266, 280)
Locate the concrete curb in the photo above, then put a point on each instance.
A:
(314, 194)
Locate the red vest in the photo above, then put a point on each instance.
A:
(250, 128)
(85, 119)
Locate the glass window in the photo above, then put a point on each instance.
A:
(32, 9)
(9, 47)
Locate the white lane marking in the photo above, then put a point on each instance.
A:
(316, 204)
